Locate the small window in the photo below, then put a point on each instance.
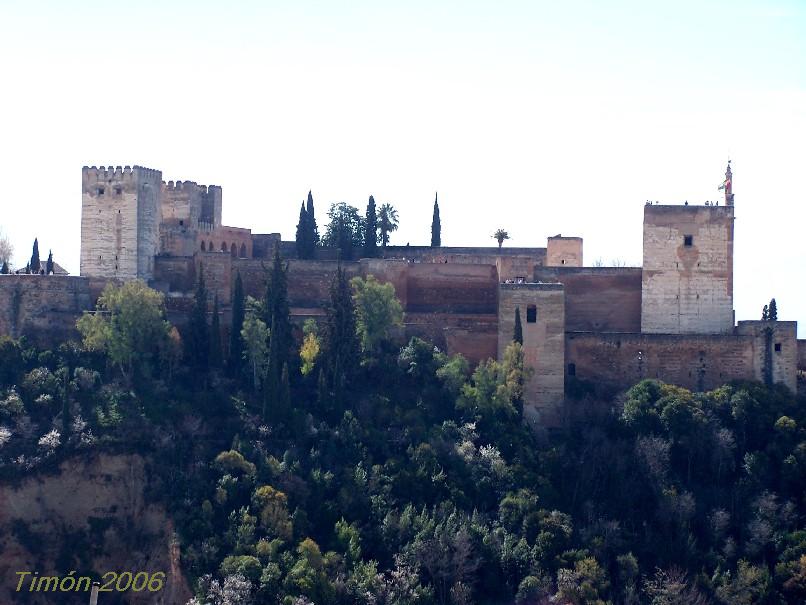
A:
(118, 190)
(562, 262)
(181, 222)
(572, 369)
(100, 190)
(531, 314)
(688, 241)
(204, 247)
(777, 347)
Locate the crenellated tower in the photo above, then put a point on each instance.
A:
(120, 218)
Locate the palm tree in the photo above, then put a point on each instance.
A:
(387, 222)
(500, 235)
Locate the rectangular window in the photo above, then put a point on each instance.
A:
(688, 241)
(531, 314)
(572, 369)
(777, 347)
(100, 190)
(118, 190)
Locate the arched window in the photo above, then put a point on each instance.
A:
(243, 250)
(233, 250)
(204, 247)
(223, 246)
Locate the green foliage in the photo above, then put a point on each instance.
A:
(233, 461)
(345, 230)
(309, 352)
(216, 355)
(387, 222)
(436, 226)
(371, 230)
(517, 335)
(307, 234)
(377, 311)
(236, 343)
(255, 337)
(245, 565)
(34, 262)
(128, 325)
(340, 344)
(197, 335)
(500, 236)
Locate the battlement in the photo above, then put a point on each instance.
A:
(119, 173)
(189, 185)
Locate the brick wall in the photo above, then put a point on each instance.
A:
(598, 299)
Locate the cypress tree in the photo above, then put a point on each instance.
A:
(340, 346)
(215, 337)
(518, 335)
(302, 233)
(235, 339)
(371, 231)
(277, 312)
(34, 264)
(765, 313)
(436, 226)
(284, 398)
(313, 230)
(49, 264)
(773, 310)
(197, 343)
(4, 270)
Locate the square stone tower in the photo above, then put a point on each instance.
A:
(687, 277)
(120, 218)
(542, 311)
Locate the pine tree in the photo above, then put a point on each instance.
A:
(215, 337)
(436, 226)
(197, 342)
(518, 335)
(235, 338)
(34, 264)
(340, 345)
(773, 310)
(49, 264)
(371, 231)
(313, 230)
(5, 270)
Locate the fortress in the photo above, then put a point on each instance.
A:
(672, 318)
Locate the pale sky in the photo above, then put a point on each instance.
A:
(537, 117)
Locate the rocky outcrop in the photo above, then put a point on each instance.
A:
(94, 516)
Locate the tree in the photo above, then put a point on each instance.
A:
(500, 235)
(377, 311)
(387, 222)
(345, 229)
(128, 325)
(518, 335)
(215, 337)
(371, 230)
(765, 313)
(340, 345)
(4, 270)
(277, 315)
(313, 230)
(773, 310)
(6, 250)
(49, 264)
(255, 338)
(436, 226)
(34, 264)
(235, 339)
(311, 346)
(302, 233)
(197, 339)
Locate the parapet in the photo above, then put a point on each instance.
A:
(564, 251)
(119, 173)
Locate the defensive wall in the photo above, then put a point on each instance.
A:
(598, 299)
(43, 308)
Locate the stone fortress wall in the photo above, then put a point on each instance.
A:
(670, 319)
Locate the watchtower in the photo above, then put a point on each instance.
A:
(120, 217)
(687, 277)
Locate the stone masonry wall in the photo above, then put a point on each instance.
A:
(774, 350)
(687, 270)
(598, 299)
(564, 251)
(120, 218)
(543, 345)
(43, 308)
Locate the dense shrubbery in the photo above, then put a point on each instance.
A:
(414, 481)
